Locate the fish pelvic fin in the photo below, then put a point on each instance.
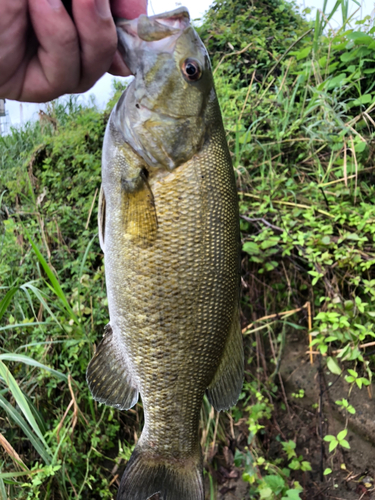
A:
(226, 386)
(107, 376)
(145, 477)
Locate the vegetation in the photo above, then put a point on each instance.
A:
(297, 100)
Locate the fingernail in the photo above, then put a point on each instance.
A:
(55, 4)
(103, 8)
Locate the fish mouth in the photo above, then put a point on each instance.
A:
(142, 40)
(154, 28)
(156, 33)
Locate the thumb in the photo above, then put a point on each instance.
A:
(128, 9)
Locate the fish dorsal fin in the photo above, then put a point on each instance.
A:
(101, 218)
(140, 218)
(107, 376)
(226, 386)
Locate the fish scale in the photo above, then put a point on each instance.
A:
(169, 230)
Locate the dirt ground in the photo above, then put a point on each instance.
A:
(353, 470)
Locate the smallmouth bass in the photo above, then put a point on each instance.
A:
(169, 230)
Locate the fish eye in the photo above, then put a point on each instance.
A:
(191, 70)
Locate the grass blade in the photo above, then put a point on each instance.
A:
(30, 300)
(85, 256)
(9, 475)
(22, 358)
(3, 493)
(21, 400)
(39, 295)
(5, 301)
(1, 196)
(68, 342)
(20, 325)
(54, 282)
(37, 415)
(21, 422)
(81, 271)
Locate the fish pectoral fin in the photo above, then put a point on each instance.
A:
(107, 376)
(226, 386)
(140, 218)
(101, 217)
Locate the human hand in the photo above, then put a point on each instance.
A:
(45, 54)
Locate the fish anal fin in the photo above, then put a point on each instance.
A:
(226, 386)
(107, 376)
(140, 218)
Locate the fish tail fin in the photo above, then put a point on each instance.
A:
(145, 477)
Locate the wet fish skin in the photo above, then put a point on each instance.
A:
(169, 230)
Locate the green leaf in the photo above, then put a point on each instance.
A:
(276, 483)
(327, 471)
(251, 248)
(341, 435)
(333, 365)
(271, 242)
(266, 493)
(302, 54)
(348, 56)
(292, 495)
(364, 99)
(363, 40)
(360, 147)
(322, 61)
(352, 236)
(345, 444)
(295, 464)
(332, 445)
(356, 35)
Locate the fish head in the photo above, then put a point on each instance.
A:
(164, 112)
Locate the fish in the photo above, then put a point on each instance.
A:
(169, 231)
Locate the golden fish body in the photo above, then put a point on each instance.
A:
(169, 231)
